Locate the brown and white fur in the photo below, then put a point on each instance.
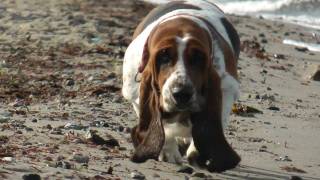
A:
(185, 53)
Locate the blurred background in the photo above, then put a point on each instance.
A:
(302, 12)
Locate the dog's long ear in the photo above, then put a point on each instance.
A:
(214, 151)
(148, 136)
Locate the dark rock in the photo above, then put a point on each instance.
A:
(301, 49)
(96, 139)
(279, 56)
(296, 178)
(137, 175)
(28, 129)
(110, 170)
(49, 126)
(274, 108)
(31, 177)
(79, 158)
(70, 82)
(263, 148)
(199, 175)
(63, 164)
(316, 75)
(264, 41)
(120, 128)
(185, 169)
(284, 158)
(34, 120)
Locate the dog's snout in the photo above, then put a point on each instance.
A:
(182, 95)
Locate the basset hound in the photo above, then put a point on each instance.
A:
(180, 74)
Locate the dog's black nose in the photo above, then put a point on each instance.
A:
(182, 95)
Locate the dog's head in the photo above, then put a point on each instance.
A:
(178, 76)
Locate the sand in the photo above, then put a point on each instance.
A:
(60, 77)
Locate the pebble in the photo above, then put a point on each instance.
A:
(28, 129)
(279, 56)
(301, 49)
(73, 125)
(268, 97)
(137, 175)
(316, 75)
(263, 148)
(4, 119)
(79, 158)
(7, 159)
(31, 177)
(274, 108)
(120, 128)
(110, 170)
(34, 120)
(70, 82)
(63, 164)
(198, 174)
(284, 158)
(296, 178)
(185, 169)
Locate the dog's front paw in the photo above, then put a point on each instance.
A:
(170, 153)
(223, 162)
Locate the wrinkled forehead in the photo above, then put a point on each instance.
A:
(168, 32)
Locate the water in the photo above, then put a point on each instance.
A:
(302, 12)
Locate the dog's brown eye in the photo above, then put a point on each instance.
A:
(164, 56)
(197, 57)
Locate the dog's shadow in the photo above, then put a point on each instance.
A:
(254, 173)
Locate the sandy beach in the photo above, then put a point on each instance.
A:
(62, 115)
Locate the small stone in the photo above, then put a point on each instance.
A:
(263, 148)
(296, 178)
(63, 164)
(31, 177)
(137, 175)
(269, 88)
(28, 129)
(110, 170)
(279, 56)
(284, 158)
(122, 148)
(267, 123)
(70, 82)
(7, 159)
(198, 174)
(48, 126)
(60, 158)
(79, 158)
(4, 119)
(316, 74)
(274, 108)
(120, 128)
(264, 41)
(301, 49)
(127, 130)
(34, 120)
(155, 175)
(185, 169)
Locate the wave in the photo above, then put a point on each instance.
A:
(309, 46)
(302, 12)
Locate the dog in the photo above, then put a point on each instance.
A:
(180, 74)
